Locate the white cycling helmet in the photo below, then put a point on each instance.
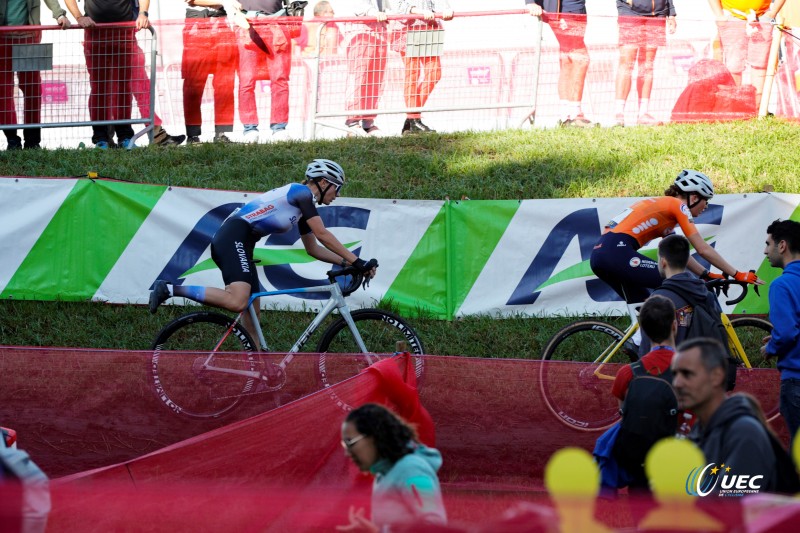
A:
(692, 181)
(327, 170)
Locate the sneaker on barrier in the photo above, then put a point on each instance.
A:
(619, 120)
(193, 140)
(158, 295)
(162, 138)
(101, 145)
(648, 120)
(127, 144)
(251, 136)
(354, 129)
(221, 138)
(581, 122)
(279, 136)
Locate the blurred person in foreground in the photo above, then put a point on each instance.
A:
(727, 430)
(406, 491)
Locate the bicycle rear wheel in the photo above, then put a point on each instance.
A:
(751, 331)
(177, 371)
(340, 357)
(574, 393)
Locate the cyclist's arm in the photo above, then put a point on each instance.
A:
(333, 251)
(709, 254)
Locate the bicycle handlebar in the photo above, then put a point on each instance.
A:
(721, 286)
(359, 279)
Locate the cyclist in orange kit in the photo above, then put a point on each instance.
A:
(616, 260)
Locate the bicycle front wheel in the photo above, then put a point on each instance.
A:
(580, 395)
(340, 357)
(179, 370)
(750, 331)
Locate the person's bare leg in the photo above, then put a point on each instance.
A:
(247, 321)
(627, 55)
(758, 75)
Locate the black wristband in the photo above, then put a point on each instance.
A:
(145, 13)
(343, 264)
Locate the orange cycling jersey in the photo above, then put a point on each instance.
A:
(651, 218)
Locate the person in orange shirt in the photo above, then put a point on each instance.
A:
(746, 43)
(615, 258)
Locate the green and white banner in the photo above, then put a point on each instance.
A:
(104, 240)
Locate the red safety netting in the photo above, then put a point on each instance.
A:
(262, 467)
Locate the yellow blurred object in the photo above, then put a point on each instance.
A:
(572, 472)
(91, 174)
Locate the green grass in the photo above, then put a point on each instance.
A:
(740, 157)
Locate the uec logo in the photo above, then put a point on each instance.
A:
(702, 482)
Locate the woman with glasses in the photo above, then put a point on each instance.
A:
(616, 260)
(406, 489)
(277, 211)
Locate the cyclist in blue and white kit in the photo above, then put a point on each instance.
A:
(276, 211)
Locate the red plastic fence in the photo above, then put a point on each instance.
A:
(90, 419)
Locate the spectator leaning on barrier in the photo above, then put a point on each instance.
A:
(23, 13)
(109, 58)
(425, 64)
(366, 64)
(746, 43)
(277, 40)
(406, 490)
(209, 49)
(641, 32)
(140, 87)
(727, 430)
(574, 57)
(329, 37)
(783, 251)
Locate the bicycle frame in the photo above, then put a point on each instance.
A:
(737, 350)
(335, 301)
(608, 353)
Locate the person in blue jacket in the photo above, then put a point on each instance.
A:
(783, 251)
(406, 489)
(574, 57)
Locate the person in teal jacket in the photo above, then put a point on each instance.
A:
(406, 489)
(783, 251)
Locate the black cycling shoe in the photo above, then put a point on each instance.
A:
(158, 295)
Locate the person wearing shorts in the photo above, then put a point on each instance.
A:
(616, 259)
(275, 211)
(642, 25)
(573, 55)
(745, 33)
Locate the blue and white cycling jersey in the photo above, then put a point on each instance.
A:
(278, 210)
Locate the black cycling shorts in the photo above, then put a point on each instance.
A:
(616, 261)
(232, 250)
